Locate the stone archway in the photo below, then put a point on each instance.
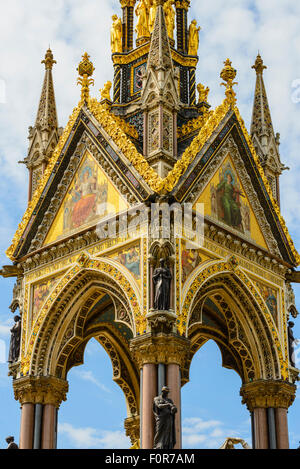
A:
(248, 326)
(94, 299)
(222, 303)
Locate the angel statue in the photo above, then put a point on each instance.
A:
(152, 15)
(170, 17)
(116, 34)
(142, 12)
(203, 93)
(105, 91)
(194, 38)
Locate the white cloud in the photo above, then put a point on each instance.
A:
(91, 438)
(89, 376)
(209, 434)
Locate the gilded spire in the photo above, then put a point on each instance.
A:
(261, 117)
(44, 136)
(48, 61)
(85, 70)
(259, 66)
(160, 51)
(46, 118)
(262, 131)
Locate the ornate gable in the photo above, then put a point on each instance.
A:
(90, 197)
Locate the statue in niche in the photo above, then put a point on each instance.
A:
(170, 17)
(292, 342)
(164, 412)
(193, 38)
(11, 443)
(116, 34)
(162, 282)
(142, 12)
(15, 340)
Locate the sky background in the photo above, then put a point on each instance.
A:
(94, 413)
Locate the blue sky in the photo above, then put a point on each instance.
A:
(94, 413)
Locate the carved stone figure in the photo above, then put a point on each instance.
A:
(162, 281)
(292, 341)
(193, 38)
(170, 17)
(116, 34)
(164, 411)
(11, 443)
(15, 339)
(142, 12)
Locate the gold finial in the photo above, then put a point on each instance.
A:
(48, 61)
(259, 66)
(228, 74)
(85, 70)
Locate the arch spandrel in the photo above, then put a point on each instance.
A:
(247, 306)
(109, 270)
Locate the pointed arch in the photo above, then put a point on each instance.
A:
(95, 299)
(246, 328)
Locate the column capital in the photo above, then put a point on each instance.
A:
(40, 390)
(182, 4)
(268, 393)
(160, 348)
(127, 3)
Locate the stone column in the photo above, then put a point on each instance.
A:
(161, 346)
(38, 420)
(128, 10)
(266, 399)
(149, 392)
(27, 426)
(260, 428)
(174, 383)
(49, 427)
(40, 398)
(182, 7)
(282, 433)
